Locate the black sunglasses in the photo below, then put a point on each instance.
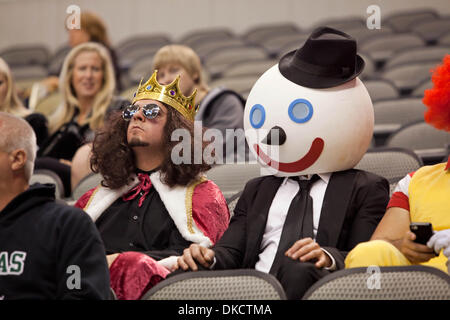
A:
(150, 111)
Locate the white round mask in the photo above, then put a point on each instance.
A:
(325, 130)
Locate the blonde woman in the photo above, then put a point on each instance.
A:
(87, 85)
(220, 108)
(10, 103)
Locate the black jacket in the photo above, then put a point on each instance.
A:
(49, 250)
(353, 205)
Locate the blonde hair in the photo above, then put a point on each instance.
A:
(103, 98)
(187, 58)
(12, 103)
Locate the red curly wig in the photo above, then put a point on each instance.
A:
(437, 99)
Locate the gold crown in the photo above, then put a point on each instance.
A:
(170, 94)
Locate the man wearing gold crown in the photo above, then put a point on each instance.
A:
(148, 209)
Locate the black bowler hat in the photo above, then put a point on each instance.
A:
(327, 59)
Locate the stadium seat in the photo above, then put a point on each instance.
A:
(404, 20)
(220, 59)
(240, 284)
(231, 178)
(381, 90)
(362, 33)
(140, 69)
(390, 163)
(412, 55)
(87, 183)
(274, 44)
(238, 83)
(431, 30)
(419, 91)
(251, 67)
(26, 55)
(390, 115)
(262, 32)
(206, 47)
(44, 176)
(382, 283)
(383, 47)
(49, 104)
(344, 23)
(194, 38)
(427, 142)
(408, 76)
(444, 40)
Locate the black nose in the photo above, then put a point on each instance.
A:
(275, 137)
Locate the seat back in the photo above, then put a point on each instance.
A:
(419, 135)
(87, 183)
(231, 178)
(46, 176)
(240, 284)
(390, 163)
(382, 283)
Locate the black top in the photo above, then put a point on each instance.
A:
(46, 246)
(149, 229)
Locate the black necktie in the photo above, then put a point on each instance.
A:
(299, 221)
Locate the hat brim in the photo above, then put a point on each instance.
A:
(309, 80)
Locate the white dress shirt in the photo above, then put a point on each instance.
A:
(277, 215)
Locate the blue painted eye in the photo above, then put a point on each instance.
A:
(257, 116)
(300, 110)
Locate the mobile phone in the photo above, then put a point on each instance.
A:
(422, 230)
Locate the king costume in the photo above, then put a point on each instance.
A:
(150, 223)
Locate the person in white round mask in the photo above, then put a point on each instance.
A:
(308, 120)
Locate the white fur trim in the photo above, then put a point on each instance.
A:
(175, 201)
(103, 198)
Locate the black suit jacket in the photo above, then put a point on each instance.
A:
(353, 205)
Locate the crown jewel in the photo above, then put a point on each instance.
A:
(169, 94)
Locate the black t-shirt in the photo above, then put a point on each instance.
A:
(149, 229)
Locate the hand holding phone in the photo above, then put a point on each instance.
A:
(422, 230)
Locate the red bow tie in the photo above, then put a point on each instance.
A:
(143, 187)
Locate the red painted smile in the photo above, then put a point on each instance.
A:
(305, 162)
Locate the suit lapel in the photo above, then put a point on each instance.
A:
(335, 205)
(257, 217)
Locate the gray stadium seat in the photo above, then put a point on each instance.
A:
(363, 33)
(419, 91)
(431, 30)
(444, 40)
(29, 72)
(220, 59)
(391, 114)
(427, 142)
(87, 183)
(240, 284)
(381, 89)
(238, 83)
(344, 24)
(404, 20)
(57, 59)
(261, 32)
(206, 47)
(251, 67)
(274, 44)
(393, 283)
(196, 37)
(231, 178)
(412, 55)
(26, 55)
(408, 76)
(46, 176)
(383, 47)
(390, 163)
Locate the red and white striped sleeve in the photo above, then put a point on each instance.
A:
(400, 197)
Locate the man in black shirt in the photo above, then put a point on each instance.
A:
(47, 250)
(150, 207)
